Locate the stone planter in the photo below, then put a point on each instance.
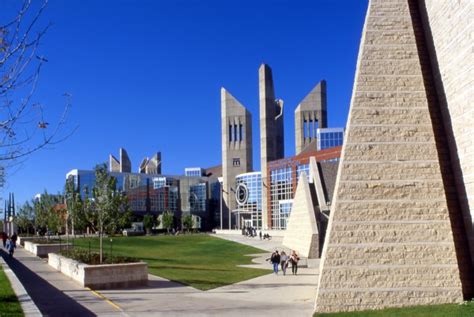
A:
(42, 250)
(21, 240)
(104, 276)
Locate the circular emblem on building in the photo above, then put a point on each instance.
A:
(242, 194)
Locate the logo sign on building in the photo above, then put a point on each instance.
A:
(242, 194)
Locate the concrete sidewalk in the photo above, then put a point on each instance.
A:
(275, 243)
(53, 293)
(268, 295)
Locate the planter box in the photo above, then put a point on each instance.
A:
(21, 240)
(104, 276)
(42, 250)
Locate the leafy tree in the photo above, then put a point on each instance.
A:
(148, 221)
(188, 222)
(167, 220)
(89, 214)
(25, 218)
(108, 203)
(57, 218)
(46, 217)
(75, 208)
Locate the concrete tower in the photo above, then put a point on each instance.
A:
(310, 115)
(236, 147)
(271, 131)
(151, 165)
(122, 166)
(125, 164)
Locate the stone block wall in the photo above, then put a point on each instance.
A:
(394, 237)
(450, 26)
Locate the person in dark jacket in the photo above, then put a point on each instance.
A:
(14, 238)
(4, 239)
(275, 259)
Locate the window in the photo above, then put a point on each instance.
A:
(236, 136)
(305, 128)
(236, 162)
(241, 130)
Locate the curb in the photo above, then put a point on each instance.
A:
(29, 307)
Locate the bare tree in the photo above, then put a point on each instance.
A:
(24, 126)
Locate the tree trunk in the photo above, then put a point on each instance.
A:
(100, 246)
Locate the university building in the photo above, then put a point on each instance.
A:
(263, 199)
(150, 192)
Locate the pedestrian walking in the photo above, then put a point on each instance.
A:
(294, 258)
(275, 260)
(260, 234)
(14, 238)
(10, 247)
(4, 239)
(284, 262)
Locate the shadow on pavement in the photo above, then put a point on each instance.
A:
(163, 284)
(50, 301)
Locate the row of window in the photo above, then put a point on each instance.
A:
(198, 197)
(236, 132)
(310, 127)
(330, 139)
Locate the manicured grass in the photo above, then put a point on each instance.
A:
(9, 305)
(448, 310)
(198, 260)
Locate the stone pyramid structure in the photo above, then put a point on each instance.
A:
(395, 234)
(302, 231)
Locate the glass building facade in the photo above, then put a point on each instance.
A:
(281, 189)
(329, 137)
(283, 176)
(155, 194)
(248, 191)
(194, 171)
(198, 197)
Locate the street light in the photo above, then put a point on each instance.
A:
(220, 192)
(230, 211)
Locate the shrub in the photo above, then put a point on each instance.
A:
(91, 257)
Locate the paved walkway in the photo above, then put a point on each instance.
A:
(53, 293)
(269, 295)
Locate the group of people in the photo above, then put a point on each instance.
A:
(9, 243)
(249, 232)
(252, 233)
(283, 260)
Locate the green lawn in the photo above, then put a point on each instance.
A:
(449, 310)
(9, 305)
(198, 260)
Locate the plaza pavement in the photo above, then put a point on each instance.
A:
(268, 295)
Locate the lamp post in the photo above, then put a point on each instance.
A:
(230, 211)
(221, 190)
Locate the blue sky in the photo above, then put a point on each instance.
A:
(146, 76)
